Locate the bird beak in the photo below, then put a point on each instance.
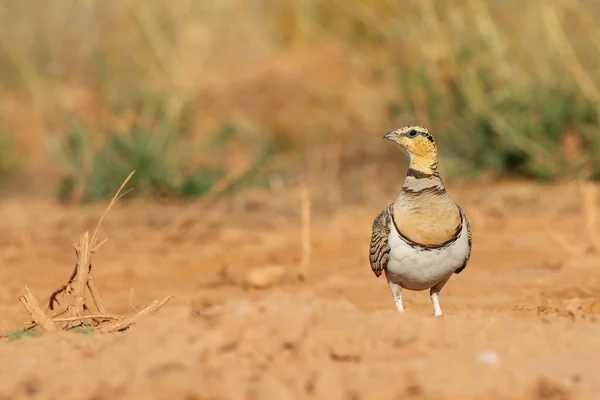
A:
(391, 135)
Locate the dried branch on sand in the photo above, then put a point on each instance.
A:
(78, 303)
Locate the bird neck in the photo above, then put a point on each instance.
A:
(424, 166)
(422, 173)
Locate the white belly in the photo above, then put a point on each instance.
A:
(419, 269)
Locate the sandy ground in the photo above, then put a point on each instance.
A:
(522, 321)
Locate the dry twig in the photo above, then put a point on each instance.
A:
(306, 233)
(37, 314)
(588, 193)
(124, 324)
(83, 291)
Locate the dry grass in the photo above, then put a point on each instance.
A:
(82, 306)
(588, 196)
(322, 74)
(305, 205)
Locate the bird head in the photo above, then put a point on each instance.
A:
(418, 142)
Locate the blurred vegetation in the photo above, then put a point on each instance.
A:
(31, 333)
(510, 88)
(23, 333)
(158, 150)
(523, 133)
(10, 161)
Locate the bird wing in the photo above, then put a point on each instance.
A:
(379, 249)
(459, 270)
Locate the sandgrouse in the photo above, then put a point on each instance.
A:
(423, 237)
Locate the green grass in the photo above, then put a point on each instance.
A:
(85, 329)
(23, 333)
(519, 133)
(157, 148)
(19, 334)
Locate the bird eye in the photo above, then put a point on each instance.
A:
(412, 133)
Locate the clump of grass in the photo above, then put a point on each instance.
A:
(157, 148)
(23, 333)
(19, 334)
(83, 329)
(519, 132)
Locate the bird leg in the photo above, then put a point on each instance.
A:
(397, 294)
(434, 294)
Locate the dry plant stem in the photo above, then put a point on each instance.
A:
(306, 234)
(83, 270)
(587, 191)
(131, 301)
(53, 297)
(588, 194)
(93, 316)
(38, 316)
(85, 248)
(96, 295)
(120, 325)
(80, 284)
